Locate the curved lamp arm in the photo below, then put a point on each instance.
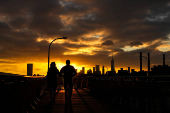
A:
(49, 48)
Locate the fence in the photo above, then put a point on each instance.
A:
(134, 94)
(19, 93)
(128, 94)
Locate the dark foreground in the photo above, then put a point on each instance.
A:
(82, 102)
(22, 94)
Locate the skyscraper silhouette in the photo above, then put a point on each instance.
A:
(29, 69)
(163, 59)
(112, 65)
(98, 70)
(93, 70)
(83, 70)
(128, 69)
(103, 70)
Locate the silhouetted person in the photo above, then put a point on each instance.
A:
(69, 72)
(52, 80)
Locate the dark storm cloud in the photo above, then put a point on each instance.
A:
(18, 22)
(108, 42)
(159, 19)
(125, 19)
(72, 7)
(136, 43)
(20, 7)
(45, 18)
(4, 28)
(88, 23)
(48, 26)
(22, 24)
(126, 22)
(117, 50)
(41, 16)
(12, 7)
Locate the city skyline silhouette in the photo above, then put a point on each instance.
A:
(93, 36)
(102, 69)
(119, 53)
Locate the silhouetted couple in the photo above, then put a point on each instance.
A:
(68, 72)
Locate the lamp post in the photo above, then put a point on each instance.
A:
(148, 60)
(49, 49)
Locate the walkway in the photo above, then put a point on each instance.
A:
(82, 102)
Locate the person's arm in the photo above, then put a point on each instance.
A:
(47, 75)
(61, 72)
(74, 72)
(58, 73)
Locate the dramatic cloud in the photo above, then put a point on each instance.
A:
(108, 42)
(136, 43)
(95, 30)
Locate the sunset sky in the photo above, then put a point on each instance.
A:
(95, 29)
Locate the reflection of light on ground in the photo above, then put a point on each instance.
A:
(62, 91)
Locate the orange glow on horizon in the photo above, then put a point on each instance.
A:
(41, 68)
(38, 68)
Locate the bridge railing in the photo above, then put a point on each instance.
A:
(133, 93)
(138, 94)
(78, 82)
(19, 93)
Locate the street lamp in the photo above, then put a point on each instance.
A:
(148, 60)
(49, 49)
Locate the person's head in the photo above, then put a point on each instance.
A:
(52, 64)
(68, 62)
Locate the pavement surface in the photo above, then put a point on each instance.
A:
(82, 102)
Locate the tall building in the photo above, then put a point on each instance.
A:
(93, 70)
(103, 70)
(128, 69)
(123, 72)
(89, 71)
(29, 69)
(97, 68)
(112, 65)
